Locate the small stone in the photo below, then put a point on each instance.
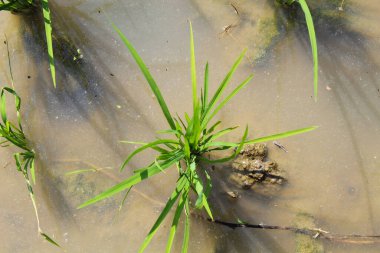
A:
(257, 177)
(273, 181)
(270, 165)
(233, 194)
(255, 150)
(246, 185)
(255, 165)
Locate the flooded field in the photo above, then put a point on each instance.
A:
(332, 173)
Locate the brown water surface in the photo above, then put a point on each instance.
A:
(333, 172)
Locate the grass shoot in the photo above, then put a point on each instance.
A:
(13, 134)
(312, 37)
(192, 138)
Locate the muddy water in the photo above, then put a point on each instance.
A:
(102, 99)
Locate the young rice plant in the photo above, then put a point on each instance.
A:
(192, 137)
(13, 134)
(21, 6)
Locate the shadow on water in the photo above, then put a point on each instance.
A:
(344, 61)
(226, 208)
(83, 88)
(87, 91)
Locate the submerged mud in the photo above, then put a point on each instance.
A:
(252, 169)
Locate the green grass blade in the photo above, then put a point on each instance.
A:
(313, 43)
(186, 148)
(5, 7)
(186, 234)
(80, 171)
(170, 131)
(125, 197)
(32, 171)
(26, 163)
(9, 60)
(223, 85)
(159, 166)
(207, 207)
(3, 107)
(208, 184)
(193, 68)
(263, 139)
(199, 190)
(169, 155)
(143, 169)
(159, 149)
(187, 118)
(205, 89)
(212, 128)
(178, 127)
(182, 123)
(49, 239)
(221, 144)
(148, 77)
(202, 99)
(146, 146)
(49, 40)
(237, 151)
(173, 198)
(176, 218)
(281, 135)
(135, 179)
(17, 106)
(228, 98)
(196, 126)
(9, 131)
(17, 160)
(3, 143)
(221, 133)
(206, 194)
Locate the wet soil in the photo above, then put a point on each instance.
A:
(252, 169)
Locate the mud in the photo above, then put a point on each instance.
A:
(252, 169)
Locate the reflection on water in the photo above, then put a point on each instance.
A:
(102, 99)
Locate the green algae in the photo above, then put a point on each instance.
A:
(306, 243)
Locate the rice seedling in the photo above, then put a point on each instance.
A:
(13, 134)
(26, 6)
(192, 138)
(312, 37)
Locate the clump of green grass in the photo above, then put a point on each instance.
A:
(312, 36)
(23, 6)
(192, 138)
(13, 135)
